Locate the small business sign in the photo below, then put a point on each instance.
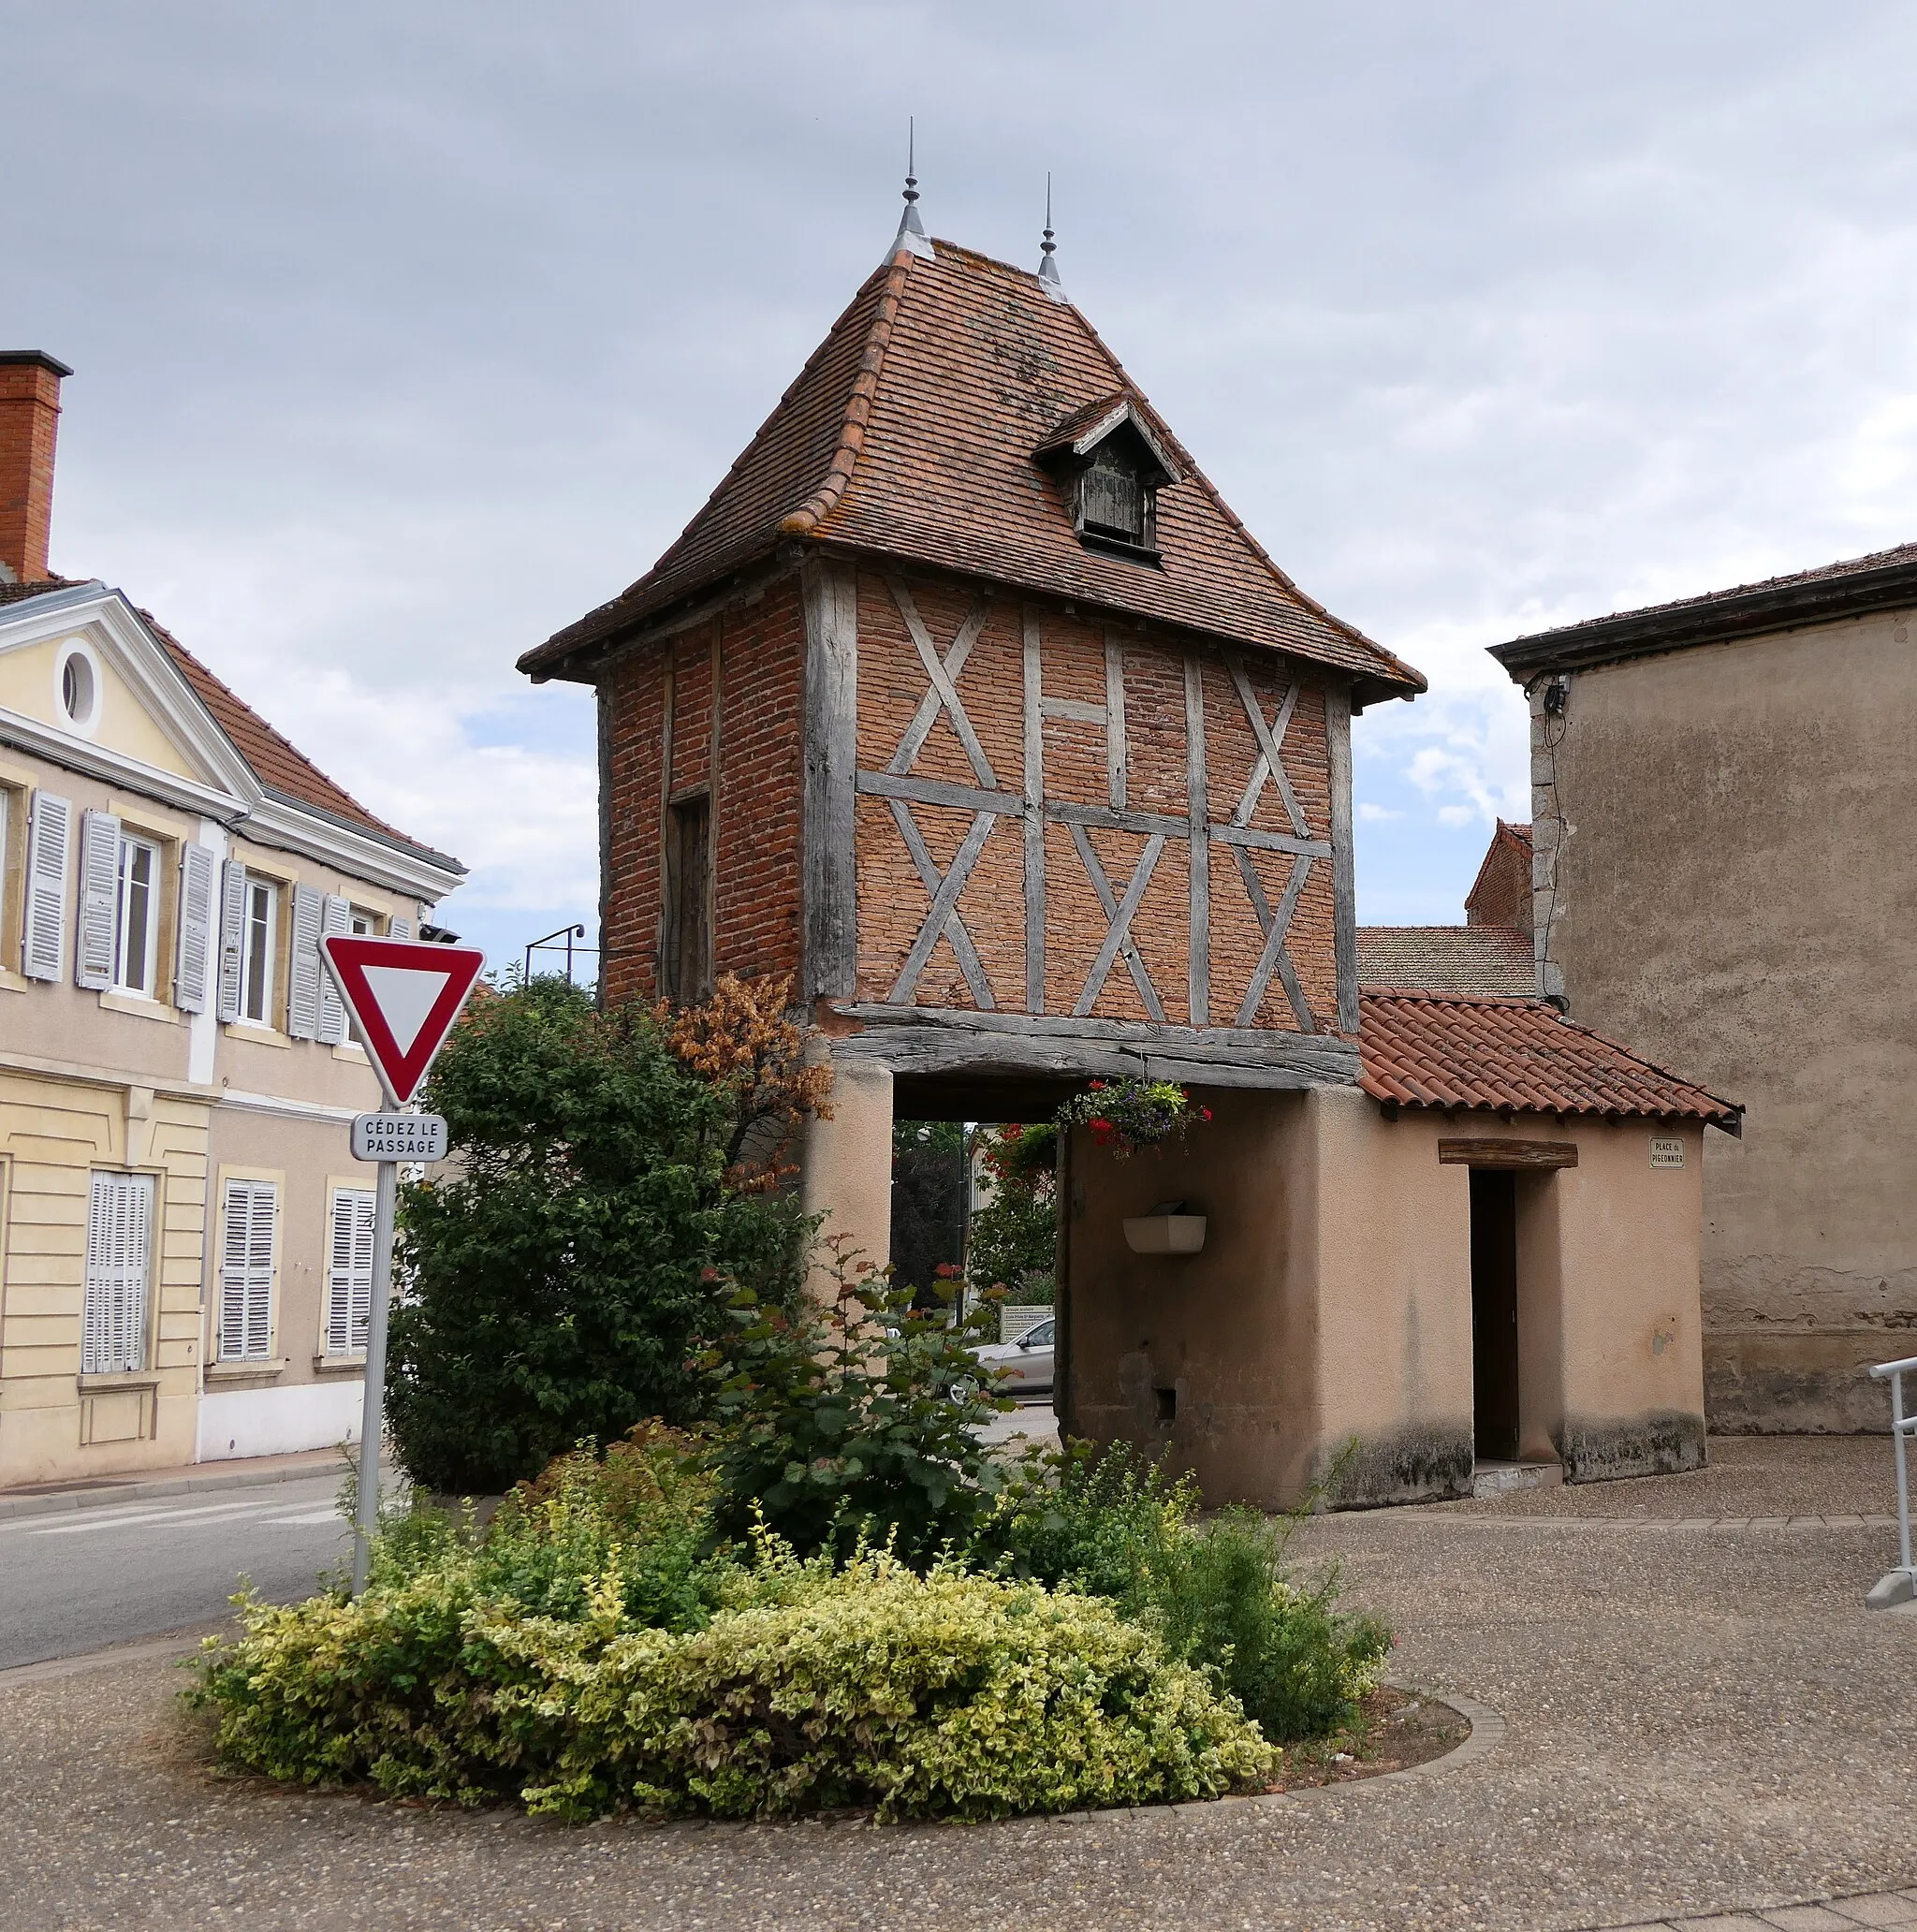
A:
(1666, 1153)
(403, 995)
(399, 1137)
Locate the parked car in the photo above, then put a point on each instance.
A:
(1027, 1363)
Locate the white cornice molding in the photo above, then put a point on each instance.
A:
(99, 761)
(281, 1108)
(278, 822)
(234, 795)
(107, 620)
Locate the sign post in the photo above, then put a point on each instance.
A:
(403, 996)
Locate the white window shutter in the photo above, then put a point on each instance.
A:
(397, 928)
(349, 1271)
(119, 1258)
(303, 973)
(99, 901)
(232, 936)
(246, 1270)
(43, 931)
(336, 920)
(196, 871)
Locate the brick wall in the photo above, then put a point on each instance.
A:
(29, 418)
(754, 659)
(893, 900)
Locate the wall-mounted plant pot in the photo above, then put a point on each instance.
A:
(1164, 1234)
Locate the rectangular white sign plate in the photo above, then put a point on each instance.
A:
(399, 1137)
(1666, 1153)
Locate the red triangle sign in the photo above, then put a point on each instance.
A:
(403, 995)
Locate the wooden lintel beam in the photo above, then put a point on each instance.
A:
(1523, 1155)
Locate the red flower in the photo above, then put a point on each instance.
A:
(1101, 1126)
(1204, 1113)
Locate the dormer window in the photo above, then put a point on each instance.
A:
(1110, 467)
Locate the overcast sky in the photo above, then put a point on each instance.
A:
(406, 333)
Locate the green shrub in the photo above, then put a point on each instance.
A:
(947, 1694)
(563, 1275)
(1013, 1241)
(1219, 1595)
(854, 1416)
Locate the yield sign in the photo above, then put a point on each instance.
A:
(403, 995)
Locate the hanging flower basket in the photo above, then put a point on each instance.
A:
(1125, 1115)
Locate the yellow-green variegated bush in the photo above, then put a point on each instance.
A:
(943, 1694)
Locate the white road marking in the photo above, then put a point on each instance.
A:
(329, 1515)
(148, 1517)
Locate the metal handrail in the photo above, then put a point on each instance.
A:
(564, 935)
(1902, 1426)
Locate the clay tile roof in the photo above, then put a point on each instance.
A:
(1440, 1050)
(910, 433)
(273, 760)
(1495, 959)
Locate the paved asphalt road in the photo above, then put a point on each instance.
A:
(77, 1580)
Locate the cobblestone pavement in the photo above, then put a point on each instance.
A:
(1697, 1722)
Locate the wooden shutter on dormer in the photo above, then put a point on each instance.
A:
(232, 936)
(197, 864)
(99, 901)
(303, 971)
(336, 921)
(43, 931)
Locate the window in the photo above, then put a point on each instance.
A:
(1113, 497)
(137, 920)
(251, 1214)
(349, 1270)
(364, 925)
(688, 952)
(260, 914)
(119, 1255)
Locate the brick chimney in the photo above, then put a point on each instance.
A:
(29, 418)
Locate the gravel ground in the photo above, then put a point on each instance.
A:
(1699, 1720)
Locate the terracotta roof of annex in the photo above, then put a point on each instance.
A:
(1426, 1050)
(911, 434)
(281, 767)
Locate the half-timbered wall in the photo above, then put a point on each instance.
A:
(1031, 783)
(716, 709)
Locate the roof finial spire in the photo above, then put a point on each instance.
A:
(1047, 269)
(911, 235)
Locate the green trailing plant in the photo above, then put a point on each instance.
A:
(1124, 1117)
(559, 1278)
(1013, 1244)
(854, 1414)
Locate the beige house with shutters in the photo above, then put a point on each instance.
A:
(185, 1243)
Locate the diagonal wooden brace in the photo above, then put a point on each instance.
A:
(968, 962)
(1274, 926)
(944, 908)
(1270, 739)
(1119, 913)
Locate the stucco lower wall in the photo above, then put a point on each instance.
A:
(1392, 1279)
(1724, 860)
(1324, 1334)
(279, 1421)
(55, 1424)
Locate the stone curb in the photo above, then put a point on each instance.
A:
(180, 1643)
(1717, 1523)
(1853, 1909)
(134, 1490)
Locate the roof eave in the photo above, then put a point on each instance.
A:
(1733, 614)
